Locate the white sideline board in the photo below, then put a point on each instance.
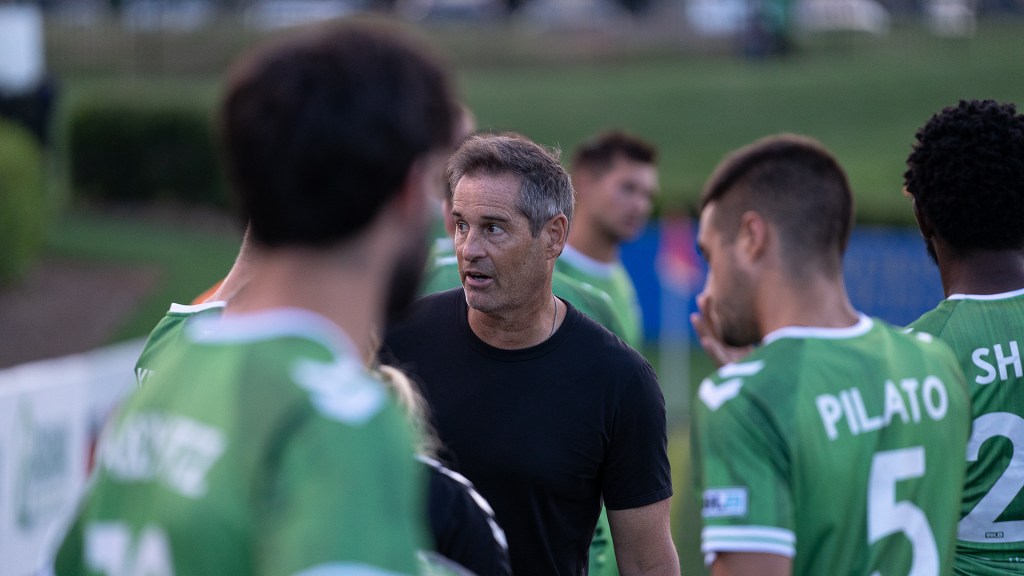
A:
(50, 412)
(22, 65)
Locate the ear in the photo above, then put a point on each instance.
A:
(753, 236)
(555, 234)
(925, 225)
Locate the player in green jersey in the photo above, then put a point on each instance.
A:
(615, 179)
(966, 179)
(834, 447)
(261, 443)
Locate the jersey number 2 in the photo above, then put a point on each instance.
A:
(887, 516)
(981, 525)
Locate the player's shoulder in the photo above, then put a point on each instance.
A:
(734, 380)
(925, 341)
(572, 288)
(587, 332)
(283, 357)
(936, 320)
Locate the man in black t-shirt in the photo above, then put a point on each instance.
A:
(544, 410)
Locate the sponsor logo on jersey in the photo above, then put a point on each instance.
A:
(714, 396)
(724, 502)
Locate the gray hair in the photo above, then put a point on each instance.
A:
(545, 190)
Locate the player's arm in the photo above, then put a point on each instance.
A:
(643, 540)
(751, 564)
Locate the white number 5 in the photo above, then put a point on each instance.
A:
(886, 516)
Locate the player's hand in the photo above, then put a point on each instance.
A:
(719, 352)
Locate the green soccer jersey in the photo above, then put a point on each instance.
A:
(168, 333)
(259, 445)
(838, 448)
(612, 279)
(987, 334)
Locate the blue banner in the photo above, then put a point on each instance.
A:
(888, 275)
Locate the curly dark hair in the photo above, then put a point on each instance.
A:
(966, 175)
(319, 129)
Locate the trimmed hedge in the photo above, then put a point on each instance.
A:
(144, 149)
(23, 204)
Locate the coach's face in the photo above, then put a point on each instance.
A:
(729, 289)
(502, 266)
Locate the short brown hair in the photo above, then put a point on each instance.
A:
(597, 154)
(545, 188)
(795, 183)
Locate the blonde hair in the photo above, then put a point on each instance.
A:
(415, 406)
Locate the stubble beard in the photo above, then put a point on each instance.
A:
(738, 327)
(404, 285)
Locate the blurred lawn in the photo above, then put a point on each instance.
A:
(189, 261)
(864, 98)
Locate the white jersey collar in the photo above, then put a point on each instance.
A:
(587, 264)
(194, 308)
(1003, 296)
(862, 327)
(273, 323)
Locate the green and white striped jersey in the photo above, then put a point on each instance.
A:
(259, 445)
(986, 333)
(839, 448)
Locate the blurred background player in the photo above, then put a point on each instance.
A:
(261, 442)
(542, 434)
(615, 178)
(834, 446)
(965, 177)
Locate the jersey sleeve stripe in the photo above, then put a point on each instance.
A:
(748, 539)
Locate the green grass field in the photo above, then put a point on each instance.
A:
(863, 100)
(863, 97)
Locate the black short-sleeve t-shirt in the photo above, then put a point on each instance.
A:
(543, 432)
